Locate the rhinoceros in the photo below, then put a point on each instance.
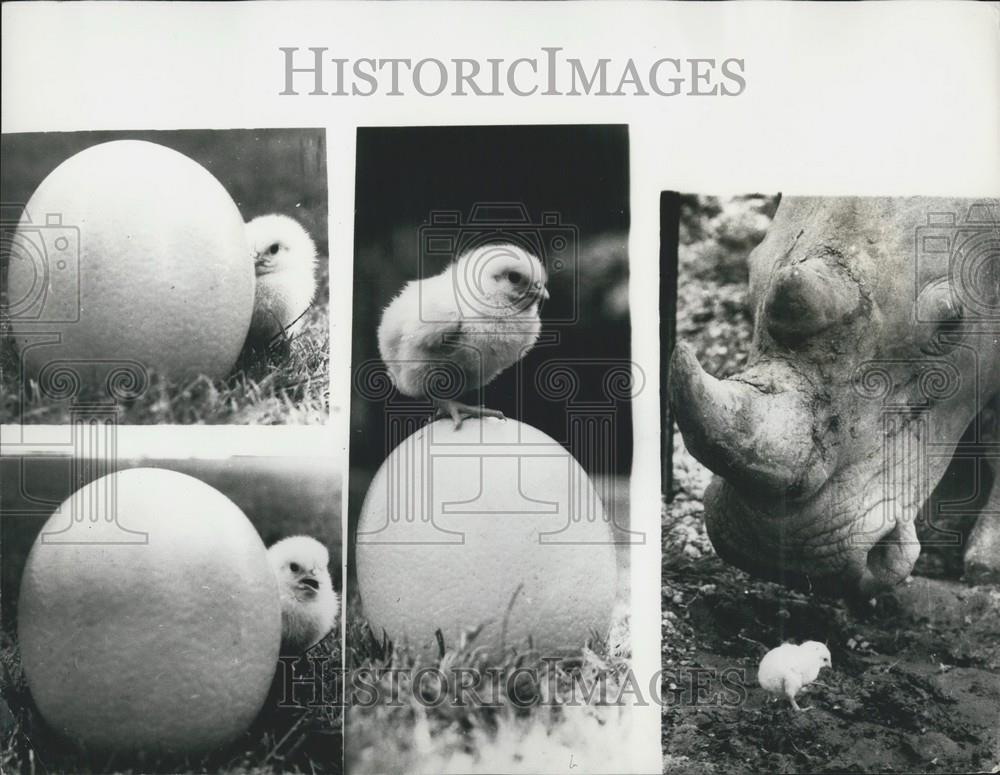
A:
(876, 349)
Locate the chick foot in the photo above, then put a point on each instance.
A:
(458, 411)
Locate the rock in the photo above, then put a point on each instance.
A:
(931, 746)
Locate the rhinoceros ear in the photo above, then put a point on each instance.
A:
(939, 316)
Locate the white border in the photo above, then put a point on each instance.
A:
(875, 98)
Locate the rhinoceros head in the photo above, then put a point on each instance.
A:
(875, 345)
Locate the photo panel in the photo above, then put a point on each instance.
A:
(575, 388)
(182, 275)
(171, 594)
(159, 613)
(491, 449)
(830, 534)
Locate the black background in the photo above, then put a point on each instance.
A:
(580, 172)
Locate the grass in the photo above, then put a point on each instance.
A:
(283, 739)
(512, 715)
(509, 721)
(285, 383)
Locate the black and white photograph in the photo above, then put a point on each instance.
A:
(491, 442)
(461, 388)
(159, 614)
(181, 275)
(832, 520)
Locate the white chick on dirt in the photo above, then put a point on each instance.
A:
(309, 604)
(784, 671)
(284, 259)
(479, 316)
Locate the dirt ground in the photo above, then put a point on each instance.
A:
(915, 682)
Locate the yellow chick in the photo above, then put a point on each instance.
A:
(480, 315)
(284, 259)
(309, 604)
(785, 670)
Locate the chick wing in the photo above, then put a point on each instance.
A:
(422, 335)
(776, 665)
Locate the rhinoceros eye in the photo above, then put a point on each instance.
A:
(940, 316)
(808, 298)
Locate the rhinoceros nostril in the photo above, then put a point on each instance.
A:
(807, 298)
(892, 558)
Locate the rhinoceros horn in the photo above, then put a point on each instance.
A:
(756, 436)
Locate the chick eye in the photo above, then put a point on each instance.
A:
(515, 277)
(273, 249)
(294, 567)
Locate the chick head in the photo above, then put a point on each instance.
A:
(501, 279)
(300, 563)
(819, 651)
(279, 243)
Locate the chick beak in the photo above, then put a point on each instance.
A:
(310, 582)
(540, 292)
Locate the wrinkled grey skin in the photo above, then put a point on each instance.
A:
(871, 355)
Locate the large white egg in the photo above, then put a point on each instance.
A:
(130, 256)
(157, 632)
(495, 526)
